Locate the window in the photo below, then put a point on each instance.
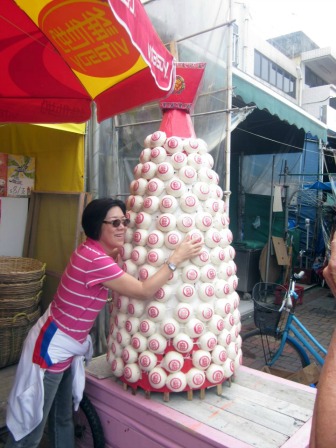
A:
(279, 78)
(264, 69)
(273, 72)
(235, 46)
(312, 80)
(332, 102)
(270, 72)
(257, 64)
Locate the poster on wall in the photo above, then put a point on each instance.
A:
(17, 175)
(3, 174)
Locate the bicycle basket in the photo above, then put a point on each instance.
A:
(267, 299)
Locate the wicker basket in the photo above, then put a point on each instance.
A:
(13, 332)
(10, 306)
(266, 307)
(20, 270)
(21, 290)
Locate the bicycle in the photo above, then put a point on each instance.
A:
(280, 337)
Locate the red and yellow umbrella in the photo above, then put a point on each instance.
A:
(58, 56)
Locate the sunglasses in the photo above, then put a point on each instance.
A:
(117, 222)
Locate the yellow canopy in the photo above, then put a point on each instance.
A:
(59, 155)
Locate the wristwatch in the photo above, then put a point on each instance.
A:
(171, 265)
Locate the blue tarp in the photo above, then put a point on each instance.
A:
(325, 186)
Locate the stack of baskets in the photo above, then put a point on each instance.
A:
(21, 282)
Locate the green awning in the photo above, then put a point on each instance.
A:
(250, 93)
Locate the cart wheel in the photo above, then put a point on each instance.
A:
(247, 296)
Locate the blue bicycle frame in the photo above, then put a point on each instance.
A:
(292, 319)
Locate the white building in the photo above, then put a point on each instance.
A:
(292, 66)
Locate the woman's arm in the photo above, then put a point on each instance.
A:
(329, 272)
(323, 432)
(131, 287)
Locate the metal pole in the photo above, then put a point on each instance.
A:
(270, 225)
(241, 201)
(307, 222)
(198, 114)
(229, 23)
(289, 245)
(228, 106)
(285, 185)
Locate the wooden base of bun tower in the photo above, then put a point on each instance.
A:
(190, 393)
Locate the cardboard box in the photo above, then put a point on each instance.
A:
(277, 372)
(308, 375)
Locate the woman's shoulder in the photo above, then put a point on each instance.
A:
(88, 255)
(92, 250)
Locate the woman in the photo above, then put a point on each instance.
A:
(57, 343)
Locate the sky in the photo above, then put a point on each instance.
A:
(316, 18)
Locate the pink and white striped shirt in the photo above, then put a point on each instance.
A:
(81, 295)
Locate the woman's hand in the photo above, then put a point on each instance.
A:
(131, 287)
(188, 248)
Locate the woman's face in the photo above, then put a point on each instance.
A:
(112, 237)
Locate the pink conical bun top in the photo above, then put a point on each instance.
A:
(176, 108)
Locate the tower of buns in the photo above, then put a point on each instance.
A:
(188, 336)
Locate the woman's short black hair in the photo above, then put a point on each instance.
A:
(95, 213)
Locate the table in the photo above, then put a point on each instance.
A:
(256, 410)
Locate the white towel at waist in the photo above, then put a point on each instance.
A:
(25, 403)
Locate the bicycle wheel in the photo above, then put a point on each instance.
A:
(88, 428)
(259, 350)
